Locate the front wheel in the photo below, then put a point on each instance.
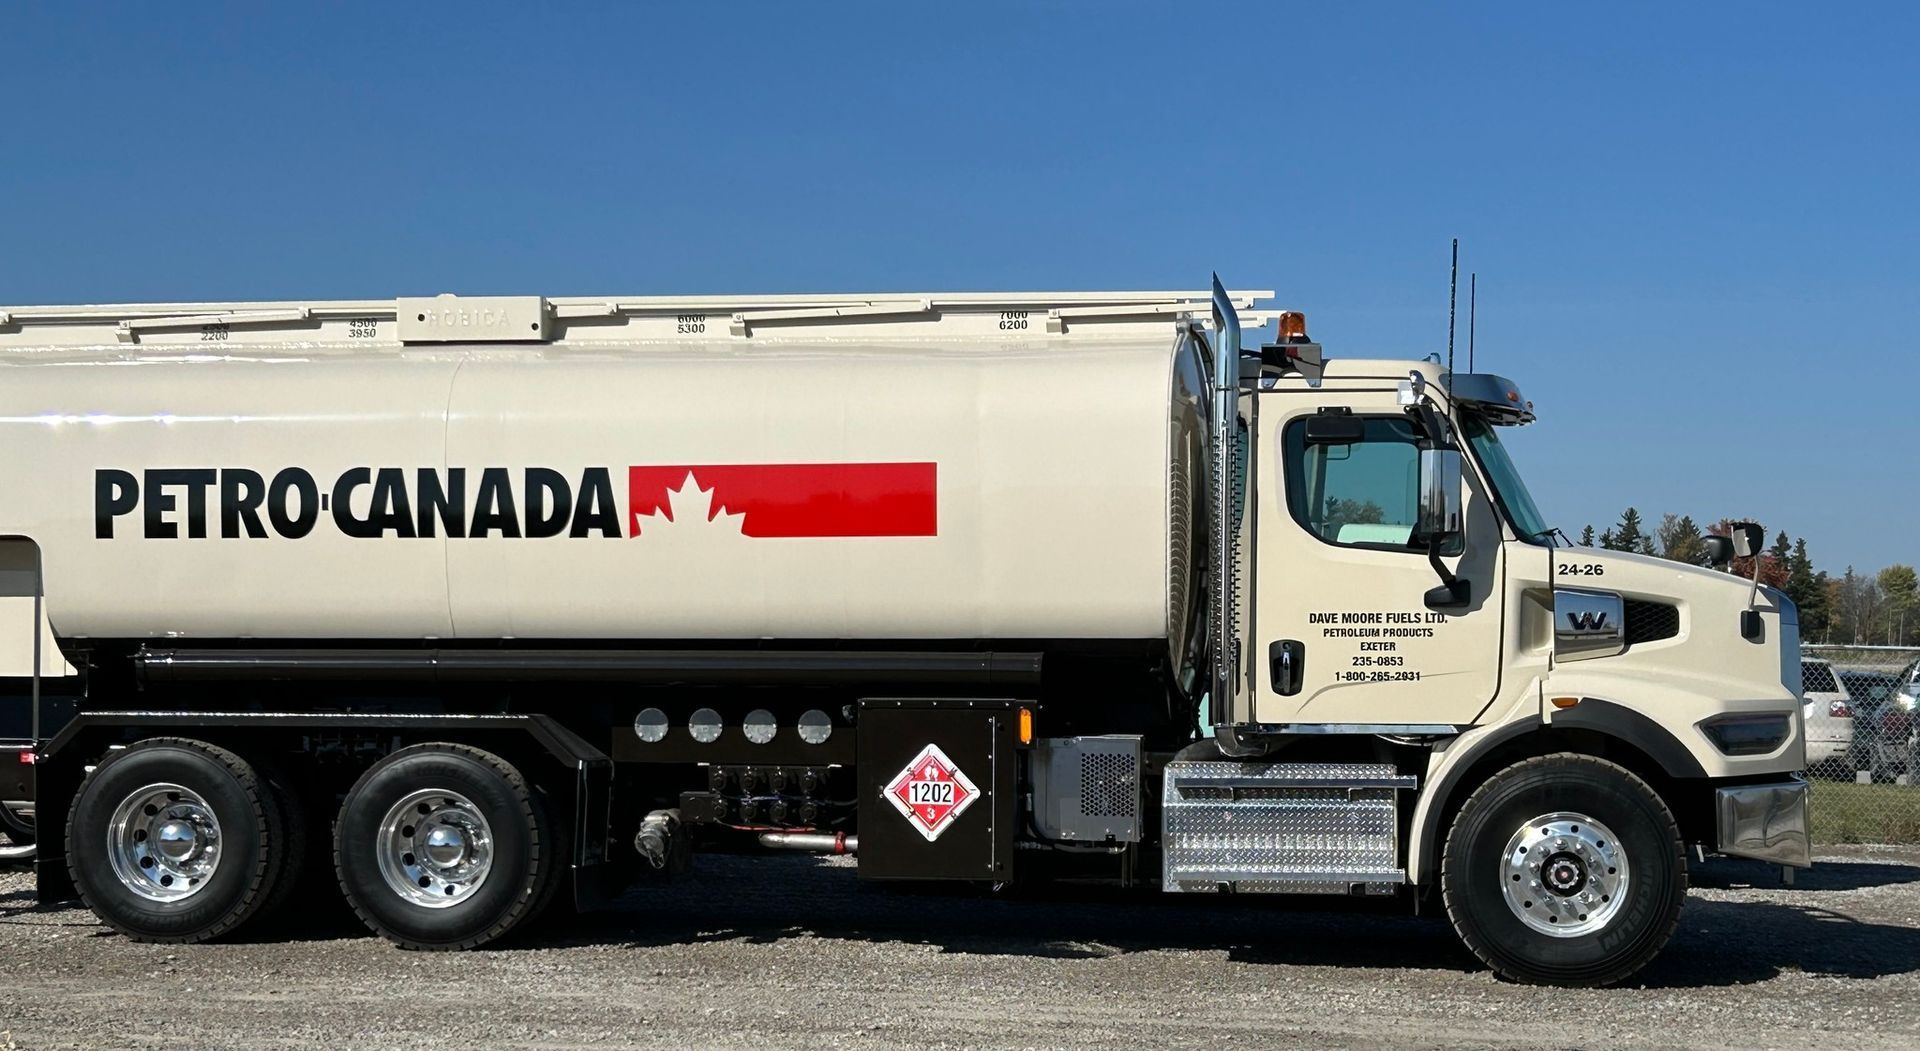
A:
(1564, 870)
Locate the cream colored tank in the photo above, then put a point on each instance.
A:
(849, 488)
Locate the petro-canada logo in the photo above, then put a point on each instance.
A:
(786, 499)
(932, 792)
(666, 501)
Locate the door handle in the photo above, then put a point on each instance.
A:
(1288, 659)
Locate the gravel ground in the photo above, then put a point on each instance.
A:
(793, 952)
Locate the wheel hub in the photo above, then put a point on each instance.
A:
(1564, 874)
(435, 848)
(178, 840)
(163, 842)
(446, 846)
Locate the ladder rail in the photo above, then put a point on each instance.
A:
(548, 320)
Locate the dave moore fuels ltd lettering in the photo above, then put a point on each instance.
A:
(1415, 624)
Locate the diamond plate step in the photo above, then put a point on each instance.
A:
(1300, 828)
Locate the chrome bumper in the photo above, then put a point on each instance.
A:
(1768, 822)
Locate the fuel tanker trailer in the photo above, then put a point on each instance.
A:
(477, 605)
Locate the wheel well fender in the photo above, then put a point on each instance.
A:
(1606, 730)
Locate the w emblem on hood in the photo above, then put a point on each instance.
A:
(1587, 620)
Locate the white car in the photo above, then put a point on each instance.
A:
(1829, 717)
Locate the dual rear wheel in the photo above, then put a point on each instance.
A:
(437, 846)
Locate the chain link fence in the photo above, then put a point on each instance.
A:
(1863, 742)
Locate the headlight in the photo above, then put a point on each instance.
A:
(1747, 734)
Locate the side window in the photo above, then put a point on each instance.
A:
(1817, 677)
(1366, 494)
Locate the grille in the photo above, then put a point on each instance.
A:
(1651, 621)
(1106, 785)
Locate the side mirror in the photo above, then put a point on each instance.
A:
(1440, 493)
(1748, 539)
(1440, 523)
(1335, 429)
(1719, 551)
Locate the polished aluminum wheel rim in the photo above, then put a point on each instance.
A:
(1564, 874)
(435, 848)
(164, 842)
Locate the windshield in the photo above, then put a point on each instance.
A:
(1507, 486)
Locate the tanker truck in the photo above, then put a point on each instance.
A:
(480, 606)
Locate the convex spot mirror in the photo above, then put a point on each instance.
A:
(1719, 551)
(1748, 539)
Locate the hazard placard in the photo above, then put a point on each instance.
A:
(931, 792)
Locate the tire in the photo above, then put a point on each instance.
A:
(18, 827)
(293, 877)
(470, 895)
(1572, 816)
(548, 901)
(197, 797)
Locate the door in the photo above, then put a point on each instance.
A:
(1342, 575)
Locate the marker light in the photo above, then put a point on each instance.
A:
(1565, 702)
(704, 725)
(1026, 726)
(760, 726)
(816, 726)
(651, 726)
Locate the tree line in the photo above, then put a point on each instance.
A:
(1859, 608)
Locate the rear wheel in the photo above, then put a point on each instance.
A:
(444, 846)
(1564, 870)
(175, 840)
(294, 879)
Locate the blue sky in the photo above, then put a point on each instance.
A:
(1695, 228)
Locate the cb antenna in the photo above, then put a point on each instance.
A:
(1473, 291)
(1453, 298)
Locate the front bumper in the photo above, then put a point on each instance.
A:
(1768, 822)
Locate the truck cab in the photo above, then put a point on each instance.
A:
(1418, 680)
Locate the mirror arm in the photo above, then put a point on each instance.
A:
(1453, 590)
(1429, 423)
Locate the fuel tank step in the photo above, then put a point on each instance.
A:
(1281, 828)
